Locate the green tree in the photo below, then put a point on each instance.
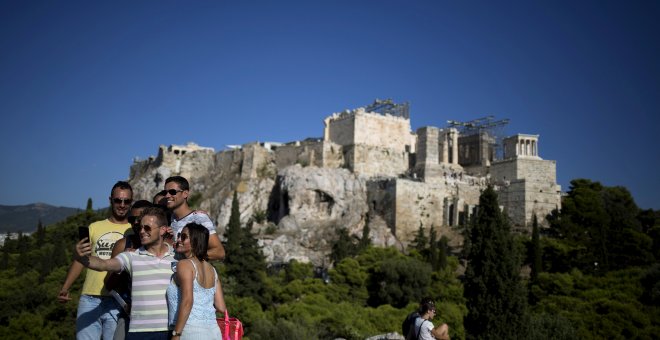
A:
(443, 247)
(233, 233)
(399, 281)
(24, 264)
(536, 251)
(604, 222)
(365, 240)
(244, 261)
(4, 262)
(495, 296)
(420, 241)
(344, 246)
(41, 233)
(433, 256)
(89, 207)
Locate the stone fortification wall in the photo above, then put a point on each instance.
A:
(404, 205)
(536, 170)
(360, 127)
(522, 199)
(369, 160)
(191, 161)
(256, 159)
(428, 146)
(418, 203)
(527, 186)
(317, 153)
(340, 129)
(381, 198)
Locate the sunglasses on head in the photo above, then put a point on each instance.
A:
(172, 192)
(126, 201)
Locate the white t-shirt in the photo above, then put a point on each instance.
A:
(196, 217)
(424, 328)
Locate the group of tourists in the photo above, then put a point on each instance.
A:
(151, 277)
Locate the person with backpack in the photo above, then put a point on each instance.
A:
(410, 319)
(422, 328)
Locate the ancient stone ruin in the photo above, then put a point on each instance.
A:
(369, 166)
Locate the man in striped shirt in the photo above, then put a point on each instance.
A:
(150, 268)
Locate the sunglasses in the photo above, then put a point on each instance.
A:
(126, 201)
(183, 237)
(172, 192)
(133, 219)
(147, 228)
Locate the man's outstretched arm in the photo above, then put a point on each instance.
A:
(84, 252)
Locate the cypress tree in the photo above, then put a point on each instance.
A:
(24, 263)
(343, 247)
(535, 251)
(420, 241)
(233, 232)
(89, 205)
(244, 260)
(495, 296)
(365, 241)
(442, 252)
(433, 256)
(4, 262)
(41, 233)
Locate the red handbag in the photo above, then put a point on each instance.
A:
(231, 328)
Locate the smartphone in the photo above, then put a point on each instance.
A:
(83, 232)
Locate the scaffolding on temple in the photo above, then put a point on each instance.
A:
(488, 125)
(387, 106)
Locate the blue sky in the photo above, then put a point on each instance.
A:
(86, 86)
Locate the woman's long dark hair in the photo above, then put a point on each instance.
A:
(199, 240)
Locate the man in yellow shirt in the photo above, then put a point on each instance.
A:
(98, 311)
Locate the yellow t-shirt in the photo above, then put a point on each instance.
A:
(103, 235)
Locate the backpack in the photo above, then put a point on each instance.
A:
(408, 324)
(414, 332)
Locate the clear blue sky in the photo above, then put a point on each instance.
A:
(86, 86)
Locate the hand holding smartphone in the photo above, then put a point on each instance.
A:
(82, 233)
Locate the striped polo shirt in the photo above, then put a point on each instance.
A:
(150, 277)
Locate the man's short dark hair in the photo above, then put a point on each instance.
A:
(181, 181)
(156, 212)
(141, 204)
(123, 185)
(199, 240)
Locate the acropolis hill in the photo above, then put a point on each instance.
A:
(369, 166)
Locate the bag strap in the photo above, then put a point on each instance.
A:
(226, 332)
(419, 331)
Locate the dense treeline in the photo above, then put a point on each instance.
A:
(594, 274)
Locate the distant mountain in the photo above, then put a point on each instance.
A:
(15, 218)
